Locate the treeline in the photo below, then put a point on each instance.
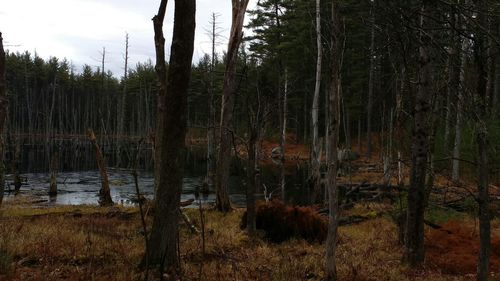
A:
(379, 74)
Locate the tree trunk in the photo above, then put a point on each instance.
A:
(453, 79)
(283, 136)
(223, 203)
(104, 192)
(315, 157)
(4, 102)
(161, 73)
(414, 242)
(211, 135)
(333, 136)
(371, 82)
(54, 166)
(455, 170)
(162, 243)
(120, 133)
(481, 57)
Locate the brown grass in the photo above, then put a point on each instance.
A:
(90, 243)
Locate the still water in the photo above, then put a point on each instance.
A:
(82, 187)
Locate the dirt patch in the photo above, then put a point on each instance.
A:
(454, 249)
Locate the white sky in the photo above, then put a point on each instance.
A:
(79, 29)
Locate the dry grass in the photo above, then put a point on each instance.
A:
(90, 243)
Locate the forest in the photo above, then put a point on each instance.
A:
(330, 140)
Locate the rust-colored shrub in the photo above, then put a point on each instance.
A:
(281, 222)
(454, 249)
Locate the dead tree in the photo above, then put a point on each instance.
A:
(480, 58)
(223, 203)
(315, 157)
(371, 82)
(414, 239)
(3, 116)
(214, 33)
(162, 243)
(465, 46)
(161, 74)
(333, 137)
(54, 166)
(121, 110)
(104, 193)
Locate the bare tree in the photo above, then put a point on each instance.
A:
(3, 116)
(333, 136)
(228, 91)
(161, 73)
(104, 193)
(480, 58)
(315, 157)
(214, 33)
(121, 103)
(414, 239)
(162, 243)
(465, 46)
(371, 82)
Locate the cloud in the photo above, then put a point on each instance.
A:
(78, 29)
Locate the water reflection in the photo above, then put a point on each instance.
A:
(82, 187)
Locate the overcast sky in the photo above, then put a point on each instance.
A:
(79, 29)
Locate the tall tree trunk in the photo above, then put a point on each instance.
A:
(414, 242)
(223, 203)
(453, 78)
(371, 82)
(120, 134)
(162, 243)
(455, 169)
(211, 135)
(4, 102)
(481, 61)
(161, 74)
(333, 136)
(315, 157)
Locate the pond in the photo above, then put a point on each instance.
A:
(82, 187)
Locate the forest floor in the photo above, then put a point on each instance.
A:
(94, 243)
(107, 243)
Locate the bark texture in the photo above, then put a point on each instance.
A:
(315, 177)
(481, 57)
(333, 137)
(414, 236)
(162, 243)
(223, 203)
(161, 73)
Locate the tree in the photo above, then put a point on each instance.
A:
(315, 159)
(480, 56)
(104, 193)
(371, 82)
(465, 46)
(414, 240)
(162, 243)
(223, 203)
(161, 73)
(121, 106)
(333, 137)
(3, 116)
